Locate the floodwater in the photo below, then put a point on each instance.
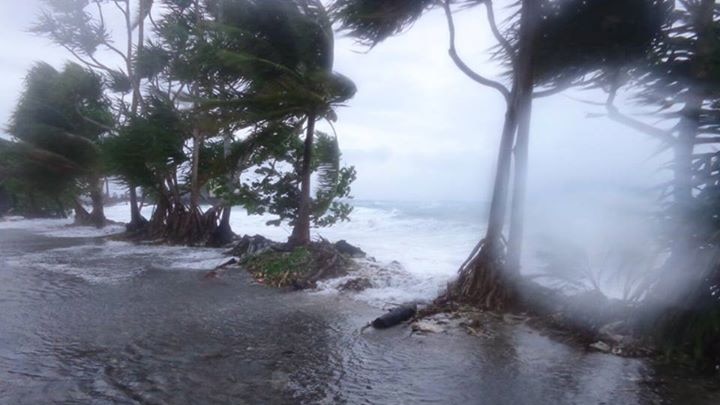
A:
(90, 321)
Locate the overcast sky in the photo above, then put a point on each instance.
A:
(418, 129)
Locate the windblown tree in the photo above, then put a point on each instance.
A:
(65, 115)
(36, 182)
(534, 56)
(679, 84)
(285, 51)
(275, 185)
(82, 28)
(680, 81)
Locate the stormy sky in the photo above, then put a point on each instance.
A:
(418, 129)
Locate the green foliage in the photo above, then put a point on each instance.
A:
(40, 182)
(373, 21)
(57, 125)
(284, 51)
(273, 266)
(276, 187)
(576, 37)
(149, 148)
(62, 112)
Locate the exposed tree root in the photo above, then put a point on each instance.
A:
(174, 223)
(84, 218)
(483, 281)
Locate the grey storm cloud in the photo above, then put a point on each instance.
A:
(418, 129)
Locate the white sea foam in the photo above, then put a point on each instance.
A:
(91, 262)
(417, 253)
(418, 247)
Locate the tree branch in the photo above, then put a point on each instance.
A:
(615, 115)
(92, 121)
(461, 64)
(506, 45)
(714, 139)
(80, 58)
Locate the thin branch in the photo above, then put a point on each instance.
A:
(557, 89)
(461, 64)
(100, 13)
(92, 121)
(615, 115)
(109, 46)
(80, 58)
(714, 139)
(178, 92)
(506, 45)
(122, 10)
(100, 65)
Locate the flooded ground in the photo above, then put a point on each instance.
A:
(89, 321)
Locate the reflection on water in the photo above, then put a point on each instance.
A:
(85, 321)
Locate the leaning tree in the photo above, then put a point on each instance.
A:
(535, 57)
(65, 113)
(83, 28)
(285, 52)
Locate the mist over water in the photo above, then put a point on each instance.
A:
(419, 246)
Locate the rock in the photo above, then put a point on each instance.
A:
(356, 284)
(252, 245)
(514, 319)
(614, 332)
(427, 327)
(601, 347)
(350, 250)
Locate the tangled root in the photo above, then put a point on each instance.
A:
(483, 280)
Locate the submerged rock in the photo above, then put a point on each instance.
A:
(356, 284)
(249, 246)
(427, 326)
(299, 268)
(601, 347)
(350, 250)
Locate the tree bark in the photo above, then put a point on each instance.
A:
(97, 217)
(498, 204)
(301, 231)
(525, 83)
(194, 186)
(485, 279)
(136, 218)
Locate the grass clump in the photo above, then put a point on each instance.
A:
(280, 269)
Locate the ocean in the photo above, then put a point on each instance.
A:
(417, 247)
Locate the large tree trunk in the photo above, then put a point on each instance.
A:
(526, 86)
(224, 233)
(194, 186)
(485, 279)
(82, 217)
(97, 217)
(301, 231)
(137, 221)
(682, 267)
